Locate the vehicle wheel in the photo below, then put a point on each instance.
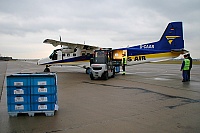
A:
(105, 75)
(88, 70)
(91, 77)
(113, 73)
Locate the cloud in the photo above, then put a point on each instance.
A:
(111, 23)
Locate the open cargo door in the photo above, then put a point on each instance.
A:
(117, 54)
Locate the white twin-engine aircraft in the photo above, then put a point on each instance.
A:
(170, 45)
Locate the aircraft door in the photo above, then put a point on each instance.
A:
(59, 55)
(117, 54)
(56, 55)
(53, 56)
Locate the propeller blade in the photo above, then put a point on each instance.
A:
(60, 41)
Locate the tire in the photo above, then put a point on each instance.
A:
(105, 76)
(47, 70)
(113, 73)
(91, 77)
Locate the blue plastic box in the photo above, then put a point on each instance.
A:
(13, 90)
(43, 98)
(18, 80)
(43, 80)
(18, 99)
(43, 106)
(42, 90)
(18, 107)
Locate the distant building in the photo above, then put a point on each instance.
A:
(5, 58)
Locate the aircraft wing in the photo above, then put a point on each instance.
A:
(73, 45)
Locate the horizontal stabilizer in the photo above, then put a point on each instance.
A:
(183, 51)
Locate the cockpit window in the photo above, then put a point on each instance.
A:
(53, 56)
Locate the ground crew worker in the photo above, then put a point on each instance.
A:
(124, 62)
(189, 57)
(185, 68)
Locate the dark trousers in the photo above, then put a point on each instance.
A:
(123, 68)
(188, 74)
(185, 75)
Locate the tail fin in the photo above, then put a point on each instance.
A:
(172, 38)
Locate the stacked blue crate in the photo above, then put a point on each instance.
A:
(32, 93)
(18, 93)
(44, 93)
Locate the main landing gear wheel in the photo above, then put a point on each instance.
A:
(47, 69)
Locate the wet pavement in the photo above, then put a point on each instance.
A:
(150, 98)
(3, 67)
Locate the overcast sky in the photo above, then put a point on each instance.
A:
(25, 24)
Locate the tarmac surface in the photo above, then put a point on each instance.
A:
(149, 98)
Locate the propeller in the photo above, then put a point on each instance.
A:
(60, 41)
(75, 49)
(61, 46)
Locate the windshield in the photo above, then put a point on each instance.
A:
(100, 57)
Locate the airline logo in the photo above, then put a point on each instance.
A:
(171, 38)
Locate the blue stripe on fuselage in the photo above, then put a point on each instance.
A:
(137, 51)
(73, 59)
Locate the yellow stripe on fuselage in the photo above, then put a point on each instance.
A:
(158, 55)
